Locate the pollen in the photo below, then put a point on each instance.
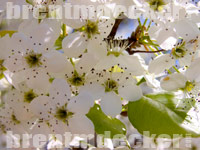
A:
(14, 119)
(179, 51)
(91, 28)
(33, 59)
(29, 96)
(166, 78)
(111, 85)
(2, 68)
(63, 114)
(77, 79)
(157, 5)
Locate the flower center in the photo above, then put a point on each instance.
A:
(14, 119)
(189, 86)
(63, 114)
(157, 5)
(33, 59)
(179, 51)
(116, 54)
(76, 79)
(91, 28)
(116, 47)
(29, 96)
(2, 68)
(111, 85)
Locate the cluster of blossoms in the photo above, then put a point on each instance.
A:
(53, 71)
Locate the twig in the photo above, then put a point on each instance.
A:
(95, 139)
(114, 29)
(132, 41)
(133, 52)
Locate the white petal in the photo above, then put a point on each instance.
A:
(130, 92)
(173, 82)
(187, 29)
(58, 127)
(132, 64)
(45, 33)
(60, 92)
(39, 106)
(151, 81)
(74, 44)
(193, 72)
(106, 63)
(14, 63)
(74, 23)
(105, 26)
(39, 82)
(55, 61)
(17, 78)
(169, 43)
(22, 111)
(81, 104)
(4, 47)
(97, 47)
(41, 128)
(186, 60)
(86, 63)
(165, 37)
(96, 90)
(80, 124)
(160, 63)
(111, 104)
(20, 42)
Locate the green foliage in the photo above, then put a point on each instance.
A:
(58, 43)
(159, 114)
(1, 76)
(143, 80)
(5, 32)
(29, 2)
(103, 123)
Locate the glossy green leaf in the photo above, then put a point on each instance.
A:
(58, 43)
(181, 107)
(159, 114)
(104, 123)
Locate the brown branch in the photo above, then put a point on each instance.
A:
(130, 49)
(132, 41)
(115, 28)
(133, 52)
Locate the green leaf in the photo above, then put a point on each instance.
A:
(30, 2)
(169, 100)
(5, 32)
(103, 123)
(58, 43)
(141, 81)
(1, 76)
(158, 114)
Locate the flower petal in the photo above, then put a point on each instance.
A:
(74, 44)
(160, 63)
(173, 82)
(111, 104)
(130, 92)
